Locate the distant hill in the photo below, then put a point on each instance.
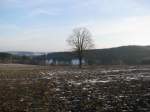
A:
(123, 55)
(5, 57)
(23, 53)
(118, 55)
(15, 58)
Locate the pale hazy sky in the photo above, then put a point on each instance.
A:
(44, 25)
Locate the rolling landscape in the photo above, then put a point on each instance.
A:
(124, 55)
(115, 87)
(74, 55)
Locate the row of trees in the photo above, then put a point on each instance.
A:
(80, 41)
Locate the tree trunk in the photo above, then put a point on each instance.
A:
(80, 60)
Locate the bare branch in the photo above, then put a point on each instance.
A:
(80, 40)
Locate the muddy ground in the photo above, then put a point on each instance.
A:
(68, 89)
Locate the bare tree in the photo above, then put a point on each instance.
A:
(80, 40)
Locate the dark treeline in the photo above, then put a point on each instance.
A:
(10, 58)
(126, 55)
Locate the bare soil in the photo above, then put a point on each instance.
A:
(26, 88)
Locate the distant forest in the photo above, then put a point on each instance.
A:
(10, 58)
(125, 55)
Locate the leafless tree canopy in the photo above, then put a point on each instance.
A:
(80, 40)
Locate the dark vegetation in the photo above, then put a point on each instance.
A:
(128, 55)
(10, 58)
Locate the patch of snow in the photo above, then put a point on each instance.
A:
(42, 73)
(57, 89)
(50, 74)
(46, 77)
(75, 83)
(145, 77)
(118, 70)
(85, 88)
(97, 81)
(131, 78)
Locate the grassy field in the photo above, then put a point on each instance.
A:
(27, 88)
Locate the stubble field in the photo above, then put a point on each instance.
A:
(26, 88)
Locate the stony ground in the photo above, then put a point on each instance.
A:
(66, 89)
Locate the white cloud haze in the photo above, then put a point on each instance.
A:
(44, 25)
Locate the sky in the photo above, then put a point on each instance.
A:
(44, 25)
